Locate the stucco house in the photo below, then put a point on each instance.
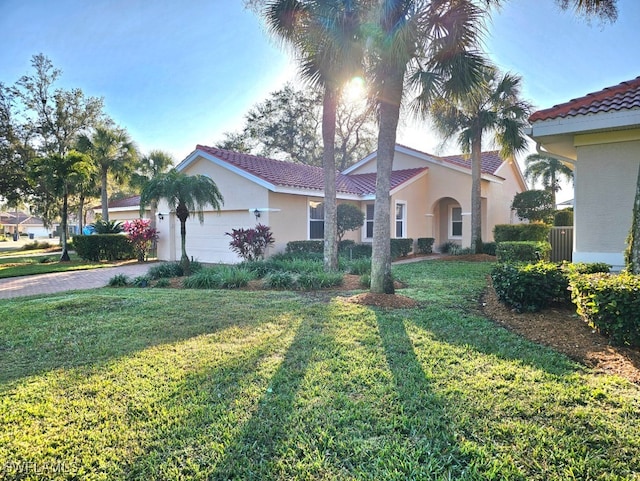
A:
(25, 224)
(430, 197)
(598, 135)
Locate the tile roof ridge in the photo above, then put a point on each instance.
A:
(563, 109)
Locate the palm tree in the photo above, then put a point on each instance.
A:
(493, 107)
(155, 163)
(550, 170)
(61, 177)
(185, 194)
(113, 152)
(324, 36)
(432, 44)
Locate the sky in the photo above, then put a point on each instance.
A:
(176, 73)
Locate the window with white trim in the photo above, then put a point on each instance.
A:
(455, 222)
(401, 220)
(316, 219)
(368, 221)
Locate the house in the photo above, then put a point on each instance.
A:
(598, 135)
(121, 210)
(23, 223)
(430, 197)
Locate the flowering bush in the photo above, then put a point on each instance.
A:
(251, 244)
(141, 237)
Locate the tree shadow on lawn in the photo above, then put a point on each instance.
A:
(56, 332)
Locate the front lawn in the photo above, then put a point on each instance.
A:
(156, 384)
(43, 264)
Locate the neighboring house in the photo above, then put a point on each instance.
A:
(121, 210)
(24, 224)
(430, 197)
(598, 135)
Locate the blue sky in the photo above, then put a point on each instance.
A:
(177, 73)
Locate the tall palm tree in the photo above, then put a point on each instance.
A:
(550, 170)
(432, 45)
(325, 37)
(61, 177)
(151, 165)
(185, 194)
(113, 152)
(493, 107)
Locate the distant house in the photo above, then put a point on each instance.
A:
(598, 135)
(25, 224)
(430, 197)
(121, 210)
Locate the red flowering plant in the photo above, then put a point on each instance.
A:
(141, 236)
(251, 244)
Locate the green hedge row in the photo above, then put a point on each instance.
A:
(610, 304)
(399, 248)
(521, 232)
(523, 251)
(103, 247)
(532, 287)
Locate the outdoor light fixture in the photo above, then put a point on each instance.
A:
(160, 216)
(256, 212)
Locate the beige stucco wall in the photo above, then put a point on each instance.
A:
(605, 181)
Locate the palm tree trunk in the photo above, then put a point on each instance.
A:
(182, 213)
(633, 249)
(81, 214)
(381, 278)
(63, 227)
(329, 164)
(476, 195)
(104, 197)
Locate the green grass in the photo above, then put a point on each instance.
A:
(43, 264)
(155, 384)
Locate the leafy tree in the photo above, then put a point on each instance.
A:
(350, 217)
(325, 38)
(534, 205)
(493, 107)
(549, 169)
(184, 194)
(59, 177)
(113, 152)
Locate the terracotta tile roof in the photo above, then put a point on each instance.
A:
(624, 96)
(490, 160)
(133, 201)
(289, 174)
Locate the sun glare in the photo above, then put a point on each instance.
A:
(354, 91)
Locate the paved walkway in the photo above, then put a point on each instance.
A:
(67, 281)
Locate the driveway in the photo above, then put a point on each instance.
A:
(66, 281)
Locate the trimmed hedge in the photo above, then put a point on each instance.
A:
(611, 304)
(563, 218)
(103, 247)
(521, 232)
(425, 245)
(401, 247)
(523, 251)
(303, 247)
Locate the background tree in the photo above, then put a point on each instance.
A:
(350, 217)
(632, 253)
(548, 169)
(534, 205)
(59, 177)
(493, 107)
(185, 195)
(151, 165)
(114, 154)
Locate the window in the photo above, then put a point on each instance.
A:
(368, 221)
(401, 211)
(455, 224)
(316, 220)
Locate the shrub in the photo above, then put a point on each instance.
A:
(348, 217)
(523, 251)
(279, 280)
(534, 205)
(166, 269)
(98, 247)
(358, 266)
(563, 218)
(203, 279)
(365, 281)
(163, 282)
(489, 248)
(107, 227)
(345, 245)
(609, 303)
(234, 277)
(304, 247)
(301, 265)
(119, 280)
(251, 244)
(530, 287)
(449, 247)
(141, 281)
(141, 236)
(521, 232)
(35, 245)
(425, 245)
(401, 247)
(360, 251)
(319, 280)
